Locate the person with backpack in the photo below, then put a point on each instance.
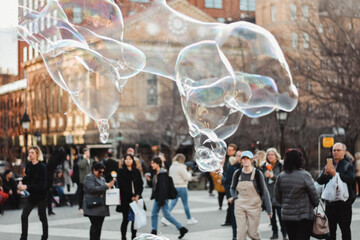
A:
(160, 184)
(248, 190)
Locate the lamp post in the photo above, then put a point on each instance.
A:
(25, 122)
(281, 117)
(37, 136)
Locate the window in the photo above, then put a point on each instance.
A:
(42, 3)
(60, 100)
(51, 96)
(151, 90)
(294, 40)
(305, 11)
(30, 4)
(55, 17)
(25, 54)
(142, 1)
(273, 13)
(77, 16)
(247, 5)
(24, 9)
(36, 5)
(30, 27)
(321, 29)
(42, 24)
(292, 12)
(30, 52)
(306, 40)
(48, 21)
(213, 4)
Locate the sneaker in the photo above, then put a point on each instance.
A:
(192, 221)
(165, 222)
(274, 236)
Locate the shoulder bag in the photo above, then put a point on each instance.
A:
(320, 226)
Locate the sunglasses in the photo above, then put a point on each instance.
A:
(102, 172)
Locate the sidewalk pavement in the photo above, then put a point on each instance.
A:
(68, 223)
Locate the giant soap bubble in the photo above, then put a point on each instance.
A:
(223, 71)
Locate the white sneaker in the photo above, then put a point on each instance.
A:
(165, 222)
(192, 221)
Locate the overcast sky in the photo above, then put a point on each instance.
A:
(8, 39)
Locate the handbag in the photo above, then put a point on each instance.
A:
(139, 213)
(93, 202)
(320, 225)
(112, 196)
(335, 190)
(172, 193)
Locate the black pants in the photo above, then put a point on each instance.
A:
(42, 215)
(95, 228)
(49, 201)
(299, 230)
(210, 180)
(339, 214)
(80, 194)
(125, 221)
(233, 220)
(357, 179)
(221, 196)
(277, 211)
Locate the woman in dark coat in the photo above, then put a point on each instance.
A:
(95, 186)
(131, 187)
(295, 190)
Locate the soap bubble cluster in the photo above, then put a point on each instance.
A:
(222, 71)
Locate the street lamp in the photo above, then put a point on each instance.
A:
(25, 122)
(37, 136)
(281, 117)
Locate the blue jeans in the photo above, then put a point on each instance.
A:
(166, 212)
(183, 194)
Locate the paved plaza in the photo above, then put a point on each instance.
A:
(68, 223)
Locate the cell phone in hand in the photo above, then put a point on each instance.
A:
(329, 162)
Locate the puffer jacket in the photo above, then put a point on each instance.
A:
(297, 194)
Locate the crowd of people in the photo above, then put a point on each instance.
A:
(251, 183)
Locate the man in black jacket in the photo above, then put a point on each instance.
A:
(339, 212)
(160, 186)
(10, 187)
(35, 182)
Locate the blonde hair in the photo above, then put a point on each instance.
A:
(38, 152)
(261, 158)
(179, 158)
(277, 154)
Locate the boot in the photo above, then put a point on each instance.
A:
(154, 232)
(183, 231)
(133, 234)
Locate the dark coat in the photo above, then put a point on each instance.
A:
(95, 187)
(270, 183)
(160, 186)
(125, 178)
(36, 181)
(297, 195)
(110, 165)
(347, 174)
(228, 175)
(9, 185)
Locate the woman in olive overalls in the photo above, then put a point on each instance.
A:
(248, 189)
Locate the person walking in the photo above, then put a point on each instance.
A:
(35, 182)
(272, 168)
(131, 186)
(357, 170)
(94, 188)
(217, 177)
(160, 185)
(181, 178)
(339, 212)
(248, 190)
(67, 172)
(84, 164)
(296, 192)
(235, 163)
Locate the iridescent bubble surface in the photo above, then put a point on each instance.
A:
(222, 71)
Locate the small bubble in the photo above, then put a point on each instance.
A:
(138, 27)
